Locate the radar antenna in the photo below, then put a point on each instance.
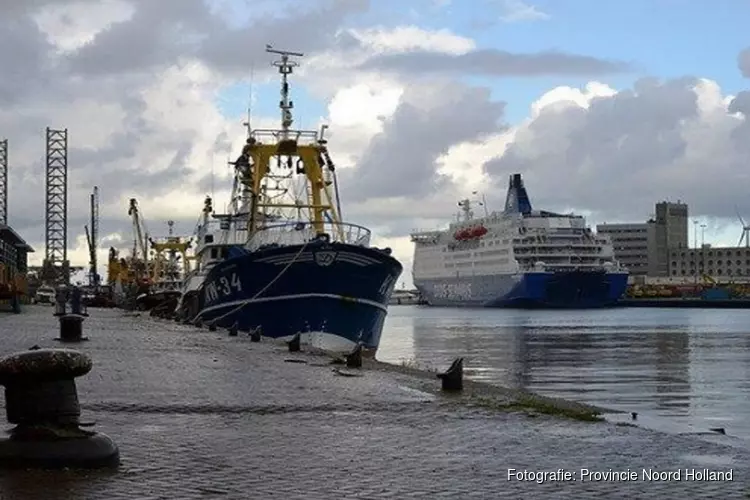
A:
(285, 68)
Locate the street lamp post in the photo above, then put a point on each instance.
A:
(703, 247)
(695, 250)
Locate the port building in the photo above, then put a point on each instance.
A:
(13, 262)
(644, 247)
(631, 242)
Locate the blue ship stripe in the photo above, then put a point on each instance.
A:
(236, 303)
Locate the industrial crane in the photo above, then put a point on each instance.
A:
(140, 241)
(92, 238)
(140, 237)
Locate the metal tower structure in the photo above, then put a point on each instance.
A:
(57, 267)
(93, 239)
(4, 181)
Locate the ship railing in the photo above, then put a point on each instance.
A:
(273, 135)
(298, 233)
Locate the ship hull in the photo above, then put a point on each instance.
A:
(532, 290)
(333, 294)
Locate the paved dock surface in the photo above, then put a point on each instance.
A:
(200, 415)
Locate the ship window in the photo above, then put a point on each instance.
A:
(739, 262)
(214, 253)
(719, 253)
(224, 253)
(718, 271)
(209, 238)
(718, 262)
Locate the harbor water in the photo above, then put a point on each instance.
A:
(686, 366)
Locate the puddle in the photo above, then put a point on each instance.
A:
(151, 429)
(420, 395)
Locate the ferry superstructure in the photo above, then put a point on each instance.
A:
(519, 257)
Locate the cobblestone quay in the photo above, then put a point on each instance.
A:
(200, 414)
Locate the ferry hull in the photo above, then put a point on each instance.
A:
(333, 294)
(544, 290)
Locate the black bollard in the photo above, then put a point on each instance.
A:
(212, 327)
(354, 358)
(42, 401)
(199, 323)
(71, 322)
(453, 378)
(255, 335)
(296, 343)
(71, 329)
(233, 330)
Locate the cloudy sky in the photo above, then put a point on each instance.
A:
(604, 107)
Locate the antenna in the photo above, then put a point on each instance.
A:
(482, 203)
(250, 99)
(285, 69)
(212, 173)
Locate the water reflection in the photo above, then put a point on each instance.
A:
(685, 364)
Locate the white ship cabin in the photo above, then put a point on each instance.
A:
(216, 234)
(515, 240)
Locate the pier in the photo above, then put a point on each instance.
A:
(202, 414)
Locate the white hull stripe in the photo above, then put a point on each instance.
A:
(343, 298)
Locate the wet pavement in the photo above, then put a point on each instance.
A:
(199, 414)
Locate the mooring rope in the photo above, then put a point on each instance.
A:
(281, 273)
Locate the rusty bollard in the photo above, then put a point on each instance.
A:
(255, 335)
(453, 378)
(42, 401)
(295, 344)
(233, 330)
(354, 358)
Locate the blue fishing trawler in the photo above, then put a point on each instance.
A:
(283, 261)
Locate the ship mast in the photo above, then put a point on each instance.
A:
(286, 68)
(285, 145)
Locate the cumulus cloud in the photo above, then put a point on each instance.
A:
(400, 159)
(136, 82)
(517, 11)
(620, 151)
